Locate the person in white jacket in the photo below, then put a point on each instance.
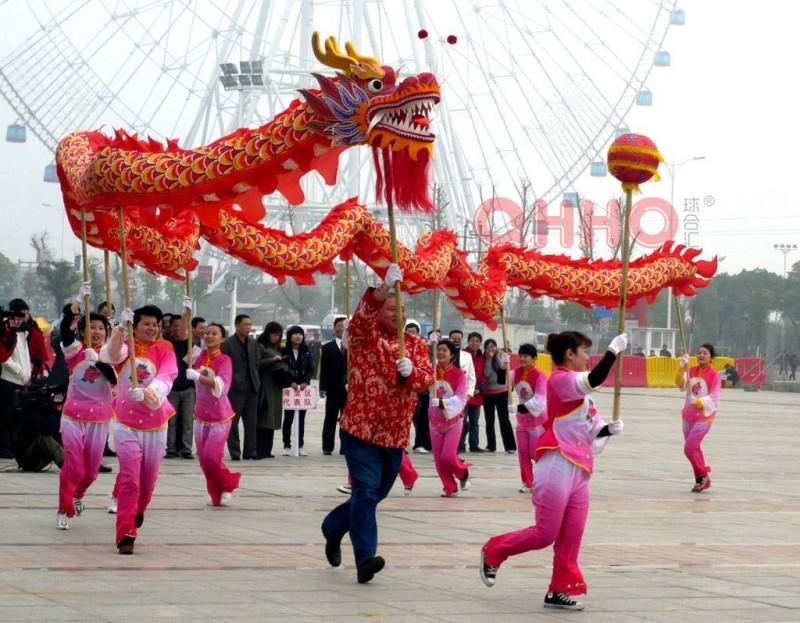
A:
(465, 363)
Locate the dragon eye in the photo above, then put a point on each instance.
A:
(375, 85)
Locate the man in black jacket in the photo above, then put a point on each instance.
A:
(333, 383)
(242, 349)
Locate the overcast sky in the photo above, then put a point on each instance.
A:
(730, 95)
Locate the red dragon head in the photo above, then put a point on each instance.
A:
(366, 105)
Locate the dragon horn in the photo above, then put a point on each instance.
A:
(332, 56)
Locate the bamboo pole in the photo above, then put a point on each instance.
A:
(401, 345)
(507, 349)
(623, 295)
(189, 317)
(87, 312)
(347, 308)
(107, 267)
(679, 314)
(123, 253)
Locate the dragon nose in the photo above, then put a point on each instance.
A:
(411, 81)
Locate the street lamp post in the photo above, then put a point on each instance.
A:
(786, 249)
(673, 168)
(63, 218)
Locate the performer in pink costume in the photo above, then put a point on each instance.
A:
(448, 399)
(573, 432)
(142, 413)
(530, 386)
(211, 373)
(86, 413)
(699, 410)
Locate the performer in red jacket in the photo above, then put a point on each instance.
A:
(382, 393)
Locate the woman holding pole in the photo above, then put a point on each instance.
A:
(573, 432)
(702, 385)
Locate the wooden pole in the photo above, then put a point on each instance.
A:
(623, 295)
(680, 323)
(107, 267)
(507, 349)
(123, 254)
(189, 343)
(401, 345)
(347, 288)
(87, 312)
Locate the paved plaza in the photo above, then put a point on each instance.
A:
(652, 551)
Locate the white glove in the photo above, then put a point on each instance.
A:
(393, 275)
(192, 374)
(615, 427)
(504, 358)
(187, 302)
(619, 343)
(127, 315)
(137, 393)
(90, 354)
(405, 367)
(86, 289)
(684, 363)
(434, 338)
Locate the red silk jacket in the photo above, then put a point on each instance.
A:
(380, 406)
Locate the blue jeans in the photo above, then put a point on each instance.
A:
(373, 470)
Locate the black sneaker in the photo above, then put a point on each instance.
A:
(171, 454)
(562, 601)
(125, 546)
(333, 551)
(488, 572)
(139, 520)
(367, 570)
(104, 469)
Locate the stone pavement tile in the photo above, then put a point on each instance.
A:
(49, 613)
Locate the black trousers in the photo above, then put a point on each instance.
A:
(334, 404)
(422, 432)
(245, 405)
(10, 417)
(265, 437)
(288, 419)
(499, 403)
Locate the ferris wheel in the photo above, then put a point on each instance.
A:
(530, 90)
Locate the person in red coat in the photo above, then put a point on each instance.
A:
(382, 394)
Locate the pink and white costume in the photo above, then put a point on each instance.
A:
(84, 426)
(140, 430)
(530, 385)
(564, 464)
(705, 386)
(213, 415)
(445, 425)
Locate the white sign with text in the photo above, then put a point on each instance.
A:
(300, 399)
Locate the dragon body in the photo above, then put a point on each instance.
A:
(171, 197)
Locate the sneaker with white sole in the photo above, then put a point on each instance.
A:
(465, 482)
(488, 572)
(408, 490)
(78, 504)
(420, 450)
(451, 494)
(112, 505)
(287, 452)
(225, 498)
(302, 452)
(62, 521)
(346, 489)
(562, 601)
(524, 489)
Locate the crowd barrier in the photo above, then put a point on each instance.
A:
(660, 371)
(752, 370)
